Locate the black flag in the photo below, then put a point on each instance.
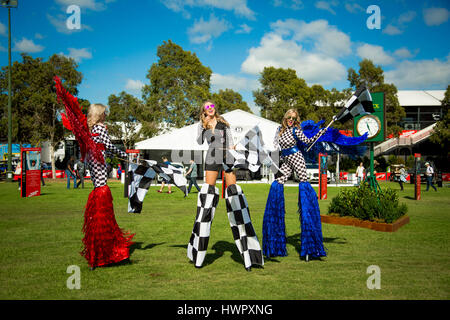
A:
(360, 103)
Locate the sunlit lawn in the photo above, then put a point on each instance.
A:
(41, 237)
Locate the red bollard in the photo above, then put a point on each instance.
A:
(323, 179)
(417, 176)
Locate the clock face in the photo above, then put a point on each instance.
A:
(369, 124)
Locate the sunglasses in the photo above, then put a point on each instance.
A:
(292, 118)
(209, 106)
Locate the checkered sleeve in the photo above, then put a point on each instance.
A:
(304, 138)
(105, 139)
(276, 143)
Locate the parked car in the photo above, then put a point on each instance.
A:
(312, 173)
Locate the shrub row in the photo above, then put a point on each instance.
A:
(366, 204)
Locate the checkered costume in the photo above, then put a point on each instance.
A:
(104, 242)
(97, 169)
(208, 198)
(293, 162)
(241, 225)
(236, 203)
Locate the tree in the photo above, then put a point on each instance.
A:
(281, 91)
(441, 133)
(373, 77)
(34, 103)
(179, 83)
(127, 120)
(228, 100)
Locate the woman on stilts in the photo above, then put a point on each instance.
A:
(274, 237)
(216, 131)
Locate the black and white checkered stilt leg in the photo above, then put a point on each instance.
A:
(208, 198)
(241, 225)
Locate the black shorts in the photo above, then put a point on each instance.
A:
(218, 167)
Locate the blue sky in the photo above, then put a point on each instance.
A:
(118, 39)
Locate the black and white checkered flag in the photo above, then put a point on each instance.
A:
(171, 174)
(251, 153)
(360, 103)
(140, 177)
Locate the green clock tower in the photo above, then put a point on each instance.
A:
(375, 126)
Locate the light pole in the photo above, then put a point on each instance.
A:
(9, 4)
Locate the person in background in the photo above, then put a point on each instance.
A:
(165, 161)
(80, 170)
(119, 171)
(402, 177)
(70, 173)
(192, 176)
(429, 175)
(360, 173)
(42, 174)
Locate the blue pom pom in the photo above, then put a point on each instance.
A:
(274, 229)
(311, 225)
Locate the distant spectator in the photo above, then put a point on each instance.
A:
(70, 173)
(429, 175)
(360, 173)
(80, 170)
(402, 176)
(165, 161)
(42, 175)
(191, 174)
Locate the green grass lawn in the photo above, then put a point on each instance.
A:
(41, 237)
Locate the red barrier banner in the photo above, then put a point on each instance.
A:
(30, 161)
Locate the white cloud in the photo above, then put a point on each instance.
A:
(326, 39)
(420, 74)
(59, 22)
(292, 4)
(374, 53)
(244, 28)
(38, 36)
(78, 54)
(311, 49)
(26, 45)
(280, 53)
(404, 53)
(219, 81)
(87, 4)
(239, 7)
(134, 85)
(435, 16)
(354, 8)
(398, 25)
(3, 30)
(203, 31)
(327, 5)
(392, 30)
(406, 17)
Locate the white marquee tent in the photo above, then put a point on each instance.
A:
(186, 138)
